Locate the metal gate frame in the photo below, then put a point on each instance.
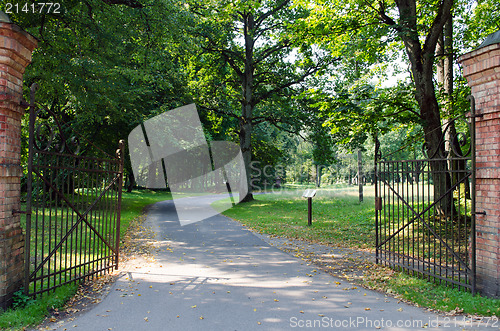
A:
(73, 206)
(410, 234)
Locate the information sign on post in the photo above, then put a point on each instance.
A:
(309, 194)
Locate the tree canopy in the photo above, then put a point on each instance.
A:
(260, 71)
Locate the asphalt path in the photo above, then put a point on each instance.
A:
(217, 275)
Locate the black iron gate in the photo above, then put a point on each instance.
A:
(73, 205)
(425, 211)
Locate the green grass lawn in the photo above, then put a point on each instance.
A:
(339, 219)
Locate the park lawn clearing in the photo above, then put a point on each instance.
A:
(340, 220)
(30, 312)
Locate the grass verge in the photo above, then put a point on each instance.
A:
(34, 311)
(339, 220)
(30, 312)
(437, 297)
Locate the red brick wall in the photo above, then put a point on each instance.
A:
(16, 47)
(482, 70)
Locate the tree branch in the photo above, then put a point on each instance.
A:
(287, 130)
(387, 19)
(128, 3)
(260, 32)
(268, 52)
(299, 79)
(231, 62)
(264, 16)
(216, 110)
(436, 29)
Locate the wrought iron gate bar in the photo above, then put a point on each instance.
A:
(88, 275)
(81, 157)
(419, 216)
(423, 262)
(78, 169)
(425, 212)
(396, 162)
(72, 231)
(422, 271)
(82, 217)
(60, 272)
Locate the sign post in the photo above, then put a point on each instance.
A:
(360, 176)
(309, 194)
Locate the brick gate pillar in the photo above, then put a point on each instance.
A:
(16, 47)
(482, 69)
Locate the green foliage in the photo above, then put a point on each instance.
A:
(369, 38)
(474, 21)
(362, 111)
(34, 311)
(20, 300)
(270, 59)
(105, 68)
(318, 68)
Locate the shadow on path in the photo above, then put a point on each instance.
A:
(217, 275)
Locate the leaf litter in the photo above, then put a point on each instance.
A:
(138, 241)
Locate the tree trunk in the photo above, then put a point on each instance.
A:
(457, 167)
(245, 133)
(131, 182)
(422, 63)
(319, 170)
(429, 109)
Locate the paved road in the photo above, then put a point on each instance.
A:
(216, 275)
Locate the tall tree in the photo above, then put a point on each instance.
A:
(421, 58)
(260, 63)
(371, 26)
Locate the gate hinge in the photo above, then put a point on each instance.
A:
(14, 211)
(475, 116)
(378, 203)
(480, 213)
(24, 104)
